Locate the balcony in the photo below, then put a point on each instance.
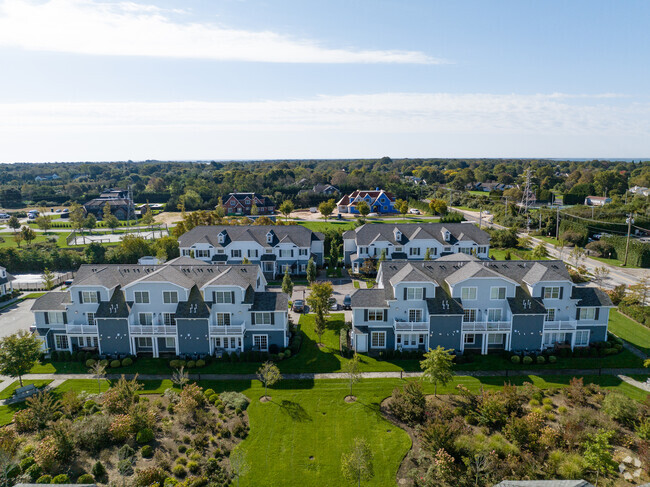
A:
(81, 329)
(487, 326)
(148, 330)
(219, 330)
(411, 325)
(567, 325)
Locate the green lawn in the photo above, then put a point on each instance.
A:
(515, 254)
(9, 391)
(630, 331)
(318, 226)
(356, 284)
(550, 240)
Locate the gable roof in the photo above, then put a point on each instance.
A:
(366, 234)
(116, 307)
(473, 270)
(296, 234)
(194, 307)
(590, 296)
(52, 301)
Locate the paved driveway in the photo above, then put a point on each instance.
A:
(16, 317)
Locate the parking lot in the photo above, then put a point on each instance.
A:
(16, 317)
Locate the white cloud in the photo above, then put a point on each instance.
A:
(416, 124)
(131, 29)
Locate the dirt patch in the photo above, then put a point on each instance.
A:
(168, 217)
(265, 398)
(350, 399)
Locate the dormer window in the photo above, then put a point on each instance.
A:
(447, 236)
(269, 237)
(221, 237)
(398, 235)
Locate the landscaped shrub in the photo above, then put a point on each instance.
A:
(104, 362)
(125, 467)
(541, 359)
(527, 360)
(24, 421)
(170, 482)
(287, 353)
(26, 462)
(148, 476)
(146, 451)
(239, 429)
(552, 359)
(61, 479)
(191, 364)
(200, 363)
(620, 407)
(408, 404)
(90, 362)
(234, 400)
(127, 361)
(208, 393)
(182, 448)
(515, 359)
(34, 472)
(144, 436)
(179, 471)
(193, 467)
(92, 432)
(98, 470)
(115, 364)
(125, 453)
(86, 479)
(44, 479)
(214, 399)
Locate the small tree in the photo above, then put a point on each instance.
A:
(363, 208)
(597, 453)
(110, 220)
(382, 256)
(638, 292)
(18, 354)
(18, 238)
(268, 374)
(318, 301)
(44, 222)
(286, 208)
(180, 377)
(98, 370)
(28, 234)
(311, 271)
(437, 367)
(14, 223)
(90, 222)
(77, 216)
(238, 464)
(356, 464)
(255, 210)
(352, 371)
(147, 216)
(326, 208)
(427, 254)
(577, 254)
(600, 274)
(402, 206)
(540, 252)
(287, 283)
(524, 242)
(48, 279)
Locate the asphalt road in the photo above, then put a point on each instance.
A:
(16, 317)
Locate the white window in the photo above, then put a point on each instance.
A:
(221, 251)
(363, 250)
(552, 292)
(303, 268)
(144, 342)
(268, 251)
(223, 297)
(469, 315)
(415, 315)
(261, 342)
(252, 253)
(269, 237)
(378, 339)
(433, 251)
(551, 339)
(447, 249)
(55, 317)
(263, 319)
(217, 342)
(223, 319)
(88, 342)
(398, 249)
(465, 250)
(169, 319)
(141, 297)
(61, 342)
(91, 318)
(89, 297)
(414, 251)
(582, 338)
(146, 319)
(375, 315)
(498, 293)
(482, 250)
(236, 253)
(284, 253)
(587, 313)
(414, 293)
(550, 314)
(494, 314)
(170, 297)
(468, 293)
(469, 339)
(202, 253)
(186, 252)
(495, 339)
(170, 342)
(303, 252)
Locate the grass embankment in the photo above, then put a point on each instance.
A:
(629, 330)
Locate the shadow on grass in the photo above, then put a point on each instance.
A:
(295, 411)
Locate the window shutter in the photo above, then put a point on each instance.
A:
(291, 252)
(404, 294)
(561, 292)
(273, 318)
(597, 313)
(214, 297)
(232, 297)
(81, 299)
(365, 315)
(385, 315)
(424, 293)
(577, 313)
(65, 317)
(252, 318)
(47, 318)
(98, 297)
(542, 292)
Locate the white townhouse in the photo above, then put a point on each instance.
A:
(185, 307)
(6, 287)
(412, 241)
(463, 303)
(273, 247)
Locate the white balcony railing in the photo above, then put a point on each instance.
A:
(411, 326)
(82, 329)
(218, 330)
(487, 326)
(152, 330)
(560, 325)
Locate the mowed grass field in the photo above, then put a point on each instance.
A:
(630, 331)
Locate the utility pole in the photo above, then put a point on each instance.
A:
(480, 218)
(629, 222)
(557, 224)
(540, 220)
(592, 212)
(525, 200)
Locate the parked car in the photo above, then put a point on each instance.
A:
(334, 306)
(373, 214)
(58, 210)
(4, 216)
(298, 306)
(313, 209)
(347, 302)
(414, 211)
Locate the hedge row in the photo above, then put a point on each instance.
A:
(638, 313)
(638, 253)
(578, 228)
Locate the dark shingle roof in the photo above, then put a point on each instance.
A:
(524, 304)
(366, 234)
(443, 304)
(296, 234)
(270, 301)
(194, 307)
(117, 307)
(366, 298)
(590, 296)
(52, 301)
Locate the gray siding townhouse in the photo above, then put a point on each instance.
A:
(183, 307)
(480, 305)
(273, 247)
(6, 287)
(410, 241)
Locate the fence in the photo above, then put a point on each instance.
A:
(39, 285)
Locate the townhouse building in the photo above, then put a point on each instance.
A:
(378, 200)
(243, 203)
(6, 287)
(477, 305)
(274, 248)
(413, 241)
(184, 307)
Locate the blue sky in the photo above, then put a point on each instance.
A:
(86, 80)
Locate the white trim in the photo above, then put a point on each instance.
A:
(475, 288)
(505, 294)
(266, 337)
(372, 333)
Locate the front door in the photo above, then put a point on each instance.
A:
(362, 343)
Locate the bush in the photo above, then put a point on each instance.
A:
(175, 364)
(125, 468)
(515, 359)
(44, 479)
(527, 360)
(552, 359)
(287, 353)
(99, 471)
(34, 472)
(125, 453)
(208, 392)
(200, 363)
(193, 467)
(214, 399)
(25, 463)
(620, 407)
(61, 479)
(90, 362)
(104, 362)
(115, 364)
(239, 429)
(144, 436)
(146, 451)
(234, 400)
(562, 409)
(541, 359)
(179, 471)
(191, 364)
(86, 479)
(127, 361)
(149, 476)
(409, 403)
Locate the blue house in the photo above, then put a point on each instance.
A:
(379, 201)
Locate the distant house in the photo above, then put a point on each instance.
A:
(640, 190)
(597, 200)
(488, 186)
(379, 201)
(119, 201)
(242, 203)
(5, 282)
(302, 182)
(50, 177)
(415, 180)
(326, 189)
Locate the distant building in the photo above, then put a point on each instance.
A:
(242, 203)
(5, 282)
(326, 189)
(641, 190)
(415, 180)
(379, 201)
(597, 200)
(121, 204)
(50, 177)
